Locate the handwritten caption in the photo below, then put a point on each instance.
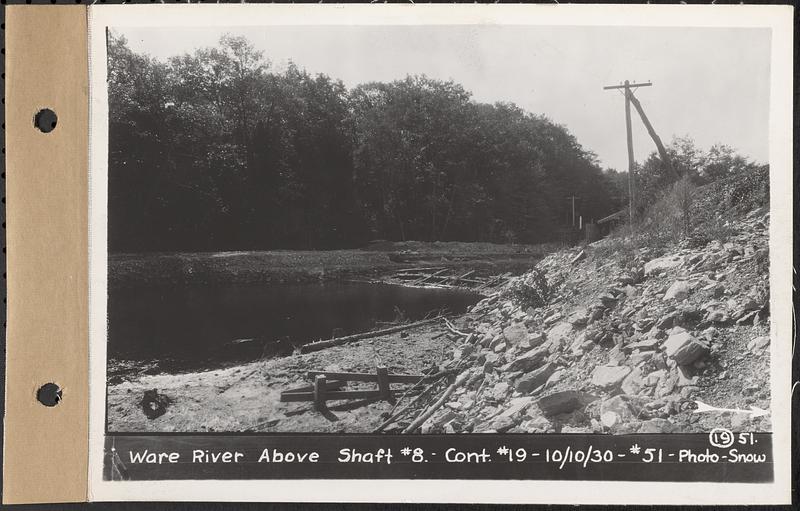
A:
(724, 446)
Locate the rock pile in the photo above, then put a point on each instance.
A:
(630, 338)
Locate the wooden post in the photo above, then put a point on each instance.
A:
(383, 383)
(572, 198)
(320, 389)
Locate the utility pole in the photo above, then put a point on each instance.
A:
(627, 86)
(572, 198)
(630, 98)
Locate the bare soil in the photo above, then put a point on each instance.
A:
(247, 397)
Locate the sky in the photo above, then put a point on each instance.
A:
(711, 84)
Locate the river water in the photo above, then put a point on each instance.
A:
(192, 326)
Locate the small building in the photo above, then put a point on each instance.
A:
(606, 224)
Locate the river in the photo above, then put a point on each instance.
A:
(201, 325)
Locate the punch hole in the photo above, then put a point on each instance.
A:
(45, 120)
(49, 394)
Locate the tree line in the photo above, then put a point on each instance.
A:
(217, 150)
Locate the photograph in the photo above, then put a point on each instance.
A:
(438, 229)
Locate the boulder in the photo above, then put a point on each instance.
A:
(500, 389)
(593, 334)
(561, 402)
(576, 430)
(658, 426)
(608, 377)
(538, 424)
(683, 348)
(686, 376)
(667, 320)
(515, 334)
(661, 264)
(489, 357)
(559, 332)
(655, 377)
(552, 318)
(502, 424)
(533, 340)
(740, 422)
(535, 379)
(633, 383)
(616, 410)
(555, 378)
(528, 361)
(578, 318)
(516, 406)
(679, 290)
(716, 316)
(649, 344)
(607, 299)
(750, 304)
(758, 344)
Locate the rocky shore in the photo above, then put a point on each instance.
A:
(630, 341)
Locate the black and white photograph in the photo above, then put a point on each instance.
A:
(438, 229)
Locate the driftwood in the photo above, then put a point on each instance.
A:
(425, 278)
(421, 418)
(465, 275)
(394, 415)
(446, 277)
(453, 329)
(321, 345)
(418, 269)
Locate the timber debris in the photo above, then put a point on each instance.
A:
(448, 278)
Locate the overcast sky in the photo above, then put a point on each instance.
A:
(711, 84)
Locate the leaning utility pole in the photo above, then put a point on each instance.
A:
(662, 152)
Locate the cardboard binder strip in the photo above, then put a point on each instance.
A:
(45, 448)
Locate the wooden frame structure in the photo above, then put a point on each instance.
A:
(327, 385)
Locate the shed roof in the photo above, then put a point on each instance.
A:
(613, 216)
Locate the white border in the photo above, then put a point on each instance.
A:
(778, 18)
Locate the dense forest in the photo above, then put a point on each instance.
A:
(216, 150)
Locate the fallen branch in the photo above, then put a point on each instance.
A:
(438, 404)
(453, 329)
(320, 345)
(394, 416)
